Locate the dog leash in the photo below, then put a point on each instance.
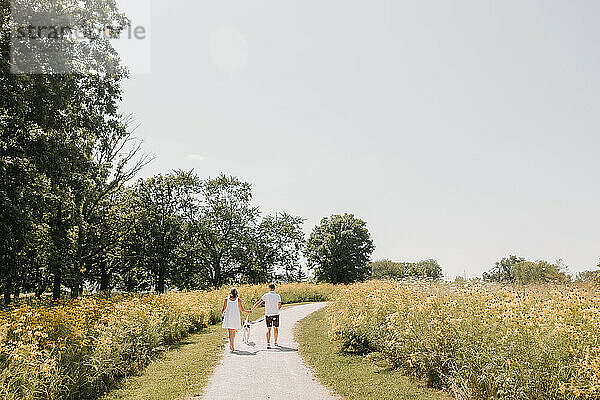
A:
(257, 321)
(246, 322)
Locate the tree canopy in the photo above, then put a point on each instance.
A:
(387, 269)
(502, 271)
(339, 249)
(513, 269)
(64, 148)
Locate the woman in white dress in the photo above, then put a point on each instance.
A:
(232, 306)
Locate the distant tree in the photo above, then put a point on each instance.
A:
(515, 269)
(283, 241)
(429, 268)
(273, 250)
(502, 271)
(339, 249)
(223, 228)
(387, 269)
(527, 272)
(160, 204)
(588, 276)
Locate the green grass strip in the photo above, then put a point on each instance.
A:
(351, 376)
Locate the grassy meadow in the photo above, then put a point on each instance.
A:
(78, 349)
(477, 341)
(474, 341)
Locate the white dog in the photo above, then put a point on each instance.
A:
(246, 333)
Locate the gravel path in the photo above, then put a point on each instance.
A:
(255, 372)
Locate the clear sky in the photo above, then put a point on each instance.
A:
(458, 130)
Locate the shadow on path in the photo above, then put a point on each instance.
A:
(278, 349)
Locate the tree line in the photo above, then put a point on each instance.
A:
(166, 231)
(188, 233)
(517, 270)
(387, 269)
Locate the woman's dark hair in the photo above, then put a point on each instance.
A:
(233, 293)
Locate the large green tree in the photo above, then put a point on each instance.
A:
(339, 249)
(51, 123)
(273, 250)
(223, 228)
(161, 205)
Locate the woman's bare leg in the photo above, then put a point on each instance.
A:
(231, 338)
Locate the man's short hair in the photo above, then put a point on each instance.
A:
(272, 286)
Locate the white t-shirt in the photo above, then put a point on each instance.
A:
(272, 301)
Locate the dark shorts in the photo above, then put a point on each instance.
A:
(272, 320)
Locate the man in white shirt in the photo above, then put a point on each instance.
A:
(272, 306)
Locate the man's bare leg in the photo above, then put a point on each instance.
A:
(268, 336)
(276, 332)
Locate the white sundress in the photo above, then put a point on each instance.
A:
(231, 319)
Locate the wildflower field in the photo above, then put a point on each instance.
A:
(78, 349)
(478, 341)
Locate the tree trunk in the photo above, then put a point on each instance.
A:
(57, 284)
(7, 289)
(39, 291)
(76, 286)
(59, 238)
(17, 282)
(217, 268)
(160, 285)
(75, 290)
(129, 282)
(104, 277)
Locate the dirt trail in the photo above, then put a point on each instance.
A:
(255, 372)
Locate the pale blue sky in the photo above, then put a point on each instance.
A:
(459, 130)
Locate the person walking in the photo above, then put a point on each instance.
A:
(232, 306)
(272, 306)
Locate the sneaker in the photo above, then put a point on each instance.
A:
(276, 345)
(268, 345)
